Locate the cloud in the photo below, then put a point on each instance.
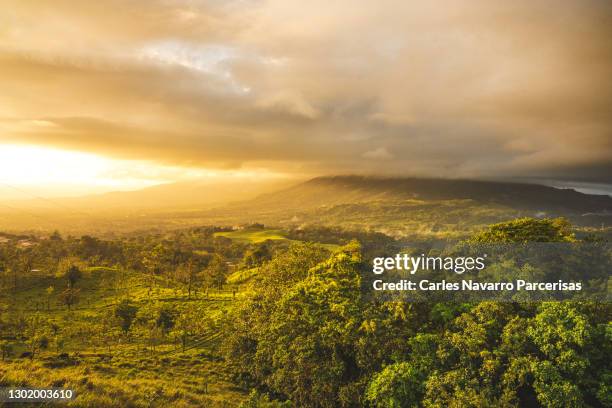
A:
(469, 88)
(380, 153)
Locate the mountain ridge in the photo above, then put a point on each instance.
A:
(332, 190)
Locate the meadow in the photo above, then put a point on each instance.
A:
(252, 235)
(148, 368)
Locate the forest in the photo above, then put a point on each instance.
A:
(268, 317)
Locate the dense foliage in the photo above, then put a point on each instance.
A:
(306, 336)
(282, 321)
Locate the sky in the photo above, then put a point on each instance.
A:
(119, 95)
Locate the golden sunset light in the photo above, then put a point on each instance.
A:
(306, 204)
(404, 88)
(29, 171)
(36, 165)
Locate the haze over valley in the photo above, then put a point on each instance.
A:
(397, 206)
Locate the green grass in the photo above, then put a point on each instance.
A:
(128, 371)
(190, 380)
(253, 236)
(109, 369)
(257, 236)
(242, 276)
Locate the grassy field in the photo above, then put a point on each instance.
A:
(242, 276)
(253, 236)
(86, 350)
(256, 236)
(110, 370)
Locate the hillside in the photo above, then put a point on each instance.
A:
(405, 207)
(328, 191)
(80, 353)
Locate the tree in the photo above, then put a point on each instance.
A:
(185, 326)
(256, 256)
(70, 297)
(24, 263)
(303, 346)
(125, 312)
(73, 275)
(6, 349)
(399, 385)
(49, 291)
(216, 272)
(165, 319)
(38, 342)
(523, 230)
(188, 275)
(553, 390)
(70, 269)
(60, 343)
(561, 332)
(56, 236)
(43, 342)
(152, 261)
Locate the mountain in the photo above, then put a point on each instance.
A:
(401, 207)
(415, 207)
(335, 190)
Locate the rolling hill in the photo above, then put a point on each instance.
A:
(335, 190)
(405, 207)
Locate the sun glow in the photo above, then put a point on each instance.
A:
(30, 165)
(68, 172)
(26, 170)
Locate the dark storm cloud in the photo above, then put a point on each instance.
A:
(465, 88)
